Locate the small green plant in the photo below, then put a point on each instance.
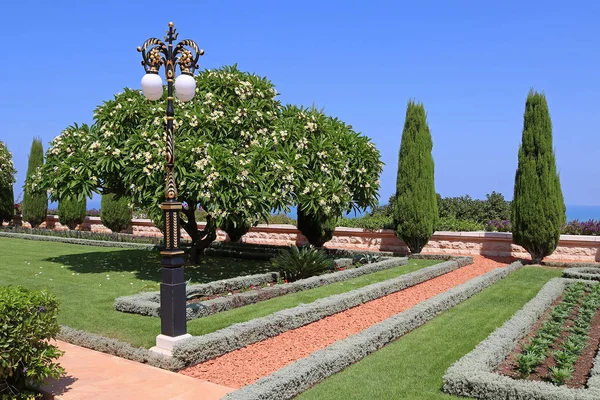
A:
(27, 323)
(299, 263)
(526, 362)
(559, 376)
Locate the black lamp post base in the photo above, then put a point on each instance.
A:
(172, 302)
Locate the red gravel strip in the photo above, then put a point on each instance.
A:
(246, 365)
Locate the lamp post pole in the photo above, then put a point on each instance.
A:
(172, 288)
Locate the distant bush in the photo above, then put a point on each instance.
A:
(494, 207)
(453, 224)
(498, 226)
(280, 218)
(575, 227)
(71, 212)
(295, 263)
(115, 213)
(35, 205)
(27, 323)
(370, 222)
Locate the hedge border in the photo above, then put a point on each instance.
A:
(473, 375)
(582, 273)
(88, 242)
(148, 303)
(117, 348)
(202, 348)
(295, 378)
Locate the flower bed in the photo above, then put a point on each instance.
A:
(476, 374)
(293, 379)
(149, 303)
(201, 348)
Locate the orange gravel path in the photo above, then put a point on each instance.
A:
(246, 365)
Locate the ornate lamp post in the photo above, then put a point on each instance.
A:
(172, 288)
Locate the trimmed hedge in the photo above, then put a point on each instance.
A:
(295, 378)
(589, 273)
(201, 348)
(147, 303)
(473, 376)
(117, 348)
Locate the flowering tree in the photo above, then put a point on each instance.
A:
(339, 170)
(7, 178)
(230, 159)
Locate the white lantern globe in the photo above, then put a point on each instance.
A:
(185, 87)
(152, 86)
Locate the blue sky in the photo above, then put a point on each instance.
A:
(470, 62)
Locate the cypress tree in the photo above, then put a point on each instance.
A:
(538, 208)
(115, 212)
(35, 206)
(415, 208)
(71, 212)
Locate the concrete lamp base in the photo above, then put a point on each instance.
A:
(165, 344)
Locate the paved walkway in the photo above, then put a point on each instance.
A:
(99, 376)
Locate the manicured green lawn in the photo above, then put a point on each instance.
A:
(87, 280)
(413, 366)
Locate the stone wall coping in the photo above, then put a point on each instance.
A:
(344, 231)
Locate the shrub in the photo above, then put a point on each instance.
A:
(295, 263)
(71, 212)
(370, 222)
(415, 210)
(494, 207)
(453, 224)
(115, 212)
(498, 226)
(7, 205)
(35, 205)
(27, 323)
(280, 218)
(538, 208)
(577, 227)
(317, 228)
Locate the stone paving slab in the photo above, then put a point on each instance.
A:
(98, 376)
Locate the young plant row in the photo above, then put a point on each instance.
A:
(535, 351)
(577, 338)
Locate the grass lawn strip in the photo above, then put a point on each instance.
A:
(473, 375)
(295, 378)
(201, 348)
(87, 242)
(149, 303)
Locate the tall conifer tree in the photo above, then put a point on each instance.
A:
(415, 209)
(538, 208)
(35, 206)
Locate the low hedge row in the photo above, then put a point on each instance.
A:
(117, 348)
(88, 242)
(201, 348)
(295, 378)
(149, 303)
(473, 375)
(589, 273)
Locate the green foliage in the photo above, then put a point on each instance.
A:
(35, 204)
(7, 203)
(7, 178)
(339, 170)
(115, 213)
(235, 231)
(494, 207)
(71, 212)
(317, 228)
(295, 263)
(280, 218)
(415, 210)
(538, 208)
(453, 224)
(27, 322)
(7, 169)
(370, 222)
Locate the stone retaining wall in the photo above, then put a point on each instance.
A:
(571, 247)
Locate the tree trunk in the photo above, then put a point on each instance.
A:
(201, 239)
